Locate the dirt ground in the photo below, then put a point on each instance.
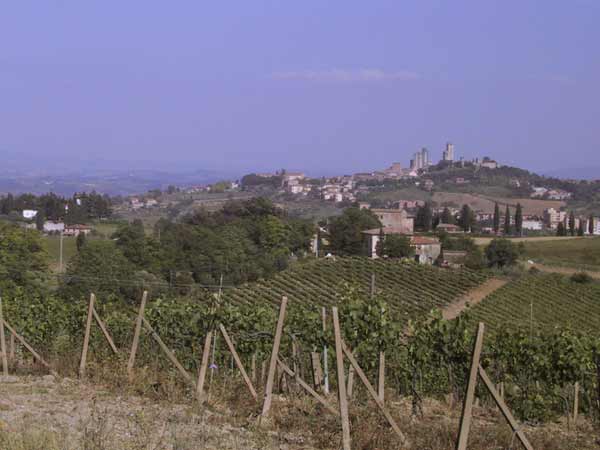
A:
(49, 414)
(472, 298)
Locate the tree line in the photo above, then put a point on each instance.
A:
(81, 207)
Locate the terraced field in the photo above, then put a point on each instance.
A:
(411, 289)
(544, 301)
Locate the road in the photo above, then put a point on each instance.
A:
(487, 240)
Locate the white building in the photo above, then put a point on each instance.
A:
(533, 225)
(53, 227)
(29, 213)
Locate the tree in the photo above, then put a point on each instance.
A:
(424, 217)
(466, 218)
(580, 229)
(496, 218)
(561, 230)
(474, 259)
(397, 246)
(345, 231)
(100, 267)
(80, 241)
(507, 221)
(379, 250)
(446, 216)
(501, 253)
(39, 220)
(591, 224)
(572, 223)
(23, 260)
(519, 220)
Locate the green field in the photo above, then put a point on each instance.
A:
(410, 289)
(583, 252)
(53, 248)
(544, 301)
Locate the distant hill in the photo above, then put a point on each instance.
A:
(105, 182)
(581, 173)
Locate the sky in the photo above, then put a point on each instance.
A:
(325, 87)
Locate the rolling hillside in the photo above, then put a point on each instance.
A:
(544, 301)
(411, 289)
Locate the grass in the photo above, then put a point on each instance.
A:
(53, 249)
(584, 253)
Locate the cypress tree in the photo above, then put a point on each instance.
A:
(465, 218)
(560, 229)
(572, 223)
(496, 218)
(519, 220)
(507, 220)
(591, 224)
(580, 231)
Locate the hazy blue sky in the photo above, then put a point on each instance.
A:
(324, 86)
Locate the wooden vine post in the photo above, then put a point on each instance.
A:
(93, 314)
(86, 337)
(467, 411)
(238, 362)
(576, 402)
(28, 347)
(339, 357)
(203, 367)
(466, 416)
(381, 378)
(325, 359)
(3, 343)
(136, 337)
(274, 358)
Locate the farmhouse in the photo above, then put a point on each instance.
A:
(53, 227)
(76, 230)
(395, 218)
(448, 228)
(427, 249)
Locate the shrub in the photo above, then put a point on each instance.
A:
(581, 277)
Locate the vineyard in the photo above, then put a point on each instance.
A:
(542, 302)
(409, 289)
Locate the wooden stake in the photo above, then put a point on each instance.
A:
(339, 356)
(105, 332)
(12, 347)
(350, 387)
(136, 337)
(316, 370)
(503, 408)
(168, 352)
(273, 362)
(28, 347)
(203, 367)
(325, 360)
(253, 367)
(372, 285)
(238, 362)
(465, 418)
(373, 394)
(576, 402)
(86, 338)
(3, 343)
(308, 389)
(381, 378)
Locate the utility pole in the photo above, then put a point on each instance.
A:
(60, 256)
